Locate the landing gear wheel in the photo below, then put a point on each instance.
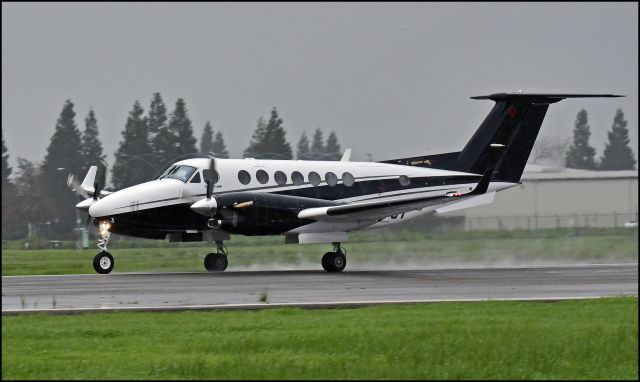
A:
(103, 262)
(334, 261)
(216, 262)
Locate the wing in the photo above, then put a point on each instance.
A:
(392, 206)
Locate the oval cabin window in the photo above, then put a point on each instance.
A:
(244, 177)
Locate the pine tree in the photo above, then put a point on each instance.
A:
(317, 146)
(32, 199)
(219, 148)
(580, 155)
(63, 157)
(268, 141)
(257, 143)
(91, 149)
(161, 141)
(9, 210)
(206, 142)
(179, 127)
(132, 160)
(6, 169)
(303, 152)
(617, 154)
(332, 148)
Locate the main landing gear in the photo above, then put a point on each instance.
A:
(335, 261)
(217, 262)
(103, 262)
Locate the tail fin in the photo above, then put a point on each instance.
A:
(504, 139)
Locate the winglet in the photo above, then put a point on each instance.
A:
(346, 155)
(483, 185)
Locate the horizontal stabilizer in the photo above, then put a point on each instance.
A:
(479, 200)
(549, 96)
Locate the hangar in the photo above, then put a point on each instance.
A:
(551, 197)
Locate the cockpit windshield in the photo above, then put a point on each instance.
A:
(182, 173)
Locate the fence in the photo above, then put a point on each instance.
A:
(550, 221)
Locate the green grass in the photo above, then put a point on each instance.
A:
(404, 248)
(587, 339)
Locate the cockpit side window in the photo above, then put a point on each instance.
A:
(196, 178)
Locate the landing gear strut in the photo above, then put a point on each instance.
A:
(335, 261)
(217, 262)
(103, 262)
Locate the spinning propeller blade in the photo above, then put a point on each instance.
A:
(211, 176)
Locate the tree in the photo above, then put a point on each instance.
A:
(183, 141)
(303, 152)
(580, 154)
(133, 164)
(317, 146)
(32, 199)
(617, 154)
(161, 141)
(6, 170)
(9, 210)
(268, 141)
(219, 148)
(332, 148)
(549, 151)
(257, 143)
(63, 157)
(91, 149)
(206, 142)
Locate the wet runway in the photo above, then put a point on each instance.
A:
(160, 291)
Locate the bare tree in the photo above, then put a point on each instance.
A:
(549, 151)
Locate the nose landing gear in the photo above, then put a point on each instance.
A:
(335, 261)
(103, 262)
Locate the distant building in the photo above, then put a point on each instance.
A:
(559, 197)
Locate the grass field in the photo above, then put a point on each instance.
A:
(586, 339)
(381, 250)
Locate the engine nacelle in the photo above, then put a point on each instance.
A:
(256, 213)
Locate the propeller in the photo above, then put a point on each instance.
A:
(211, 176)
(74, 185)
(208, 206)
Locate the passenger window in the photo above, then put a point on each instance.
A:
(331, 179)
(348, 179)
(205, 176)
(280, 178)
(196, 178)
(314, 178)
(262, 176)
(297, 178)
(404, 180)
(244, 177)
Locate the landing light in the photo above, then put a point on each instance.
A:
(104, 227)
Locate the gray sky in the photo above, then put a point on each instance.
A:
(391, 79)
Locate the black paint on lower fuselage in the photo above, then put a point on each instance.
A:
(270, 213)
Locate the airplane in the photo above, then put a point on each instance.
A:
(318, 201)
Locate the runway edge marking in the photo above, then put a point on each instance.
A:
(309, 305)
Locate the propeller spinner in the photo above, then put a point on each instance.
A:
(208, 205)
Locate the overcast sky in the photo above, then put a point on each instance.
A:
(390, 79)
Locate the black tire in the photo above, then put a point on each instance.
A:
(103, 262)
(334, 261)
(325, 261)
(216, 262)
